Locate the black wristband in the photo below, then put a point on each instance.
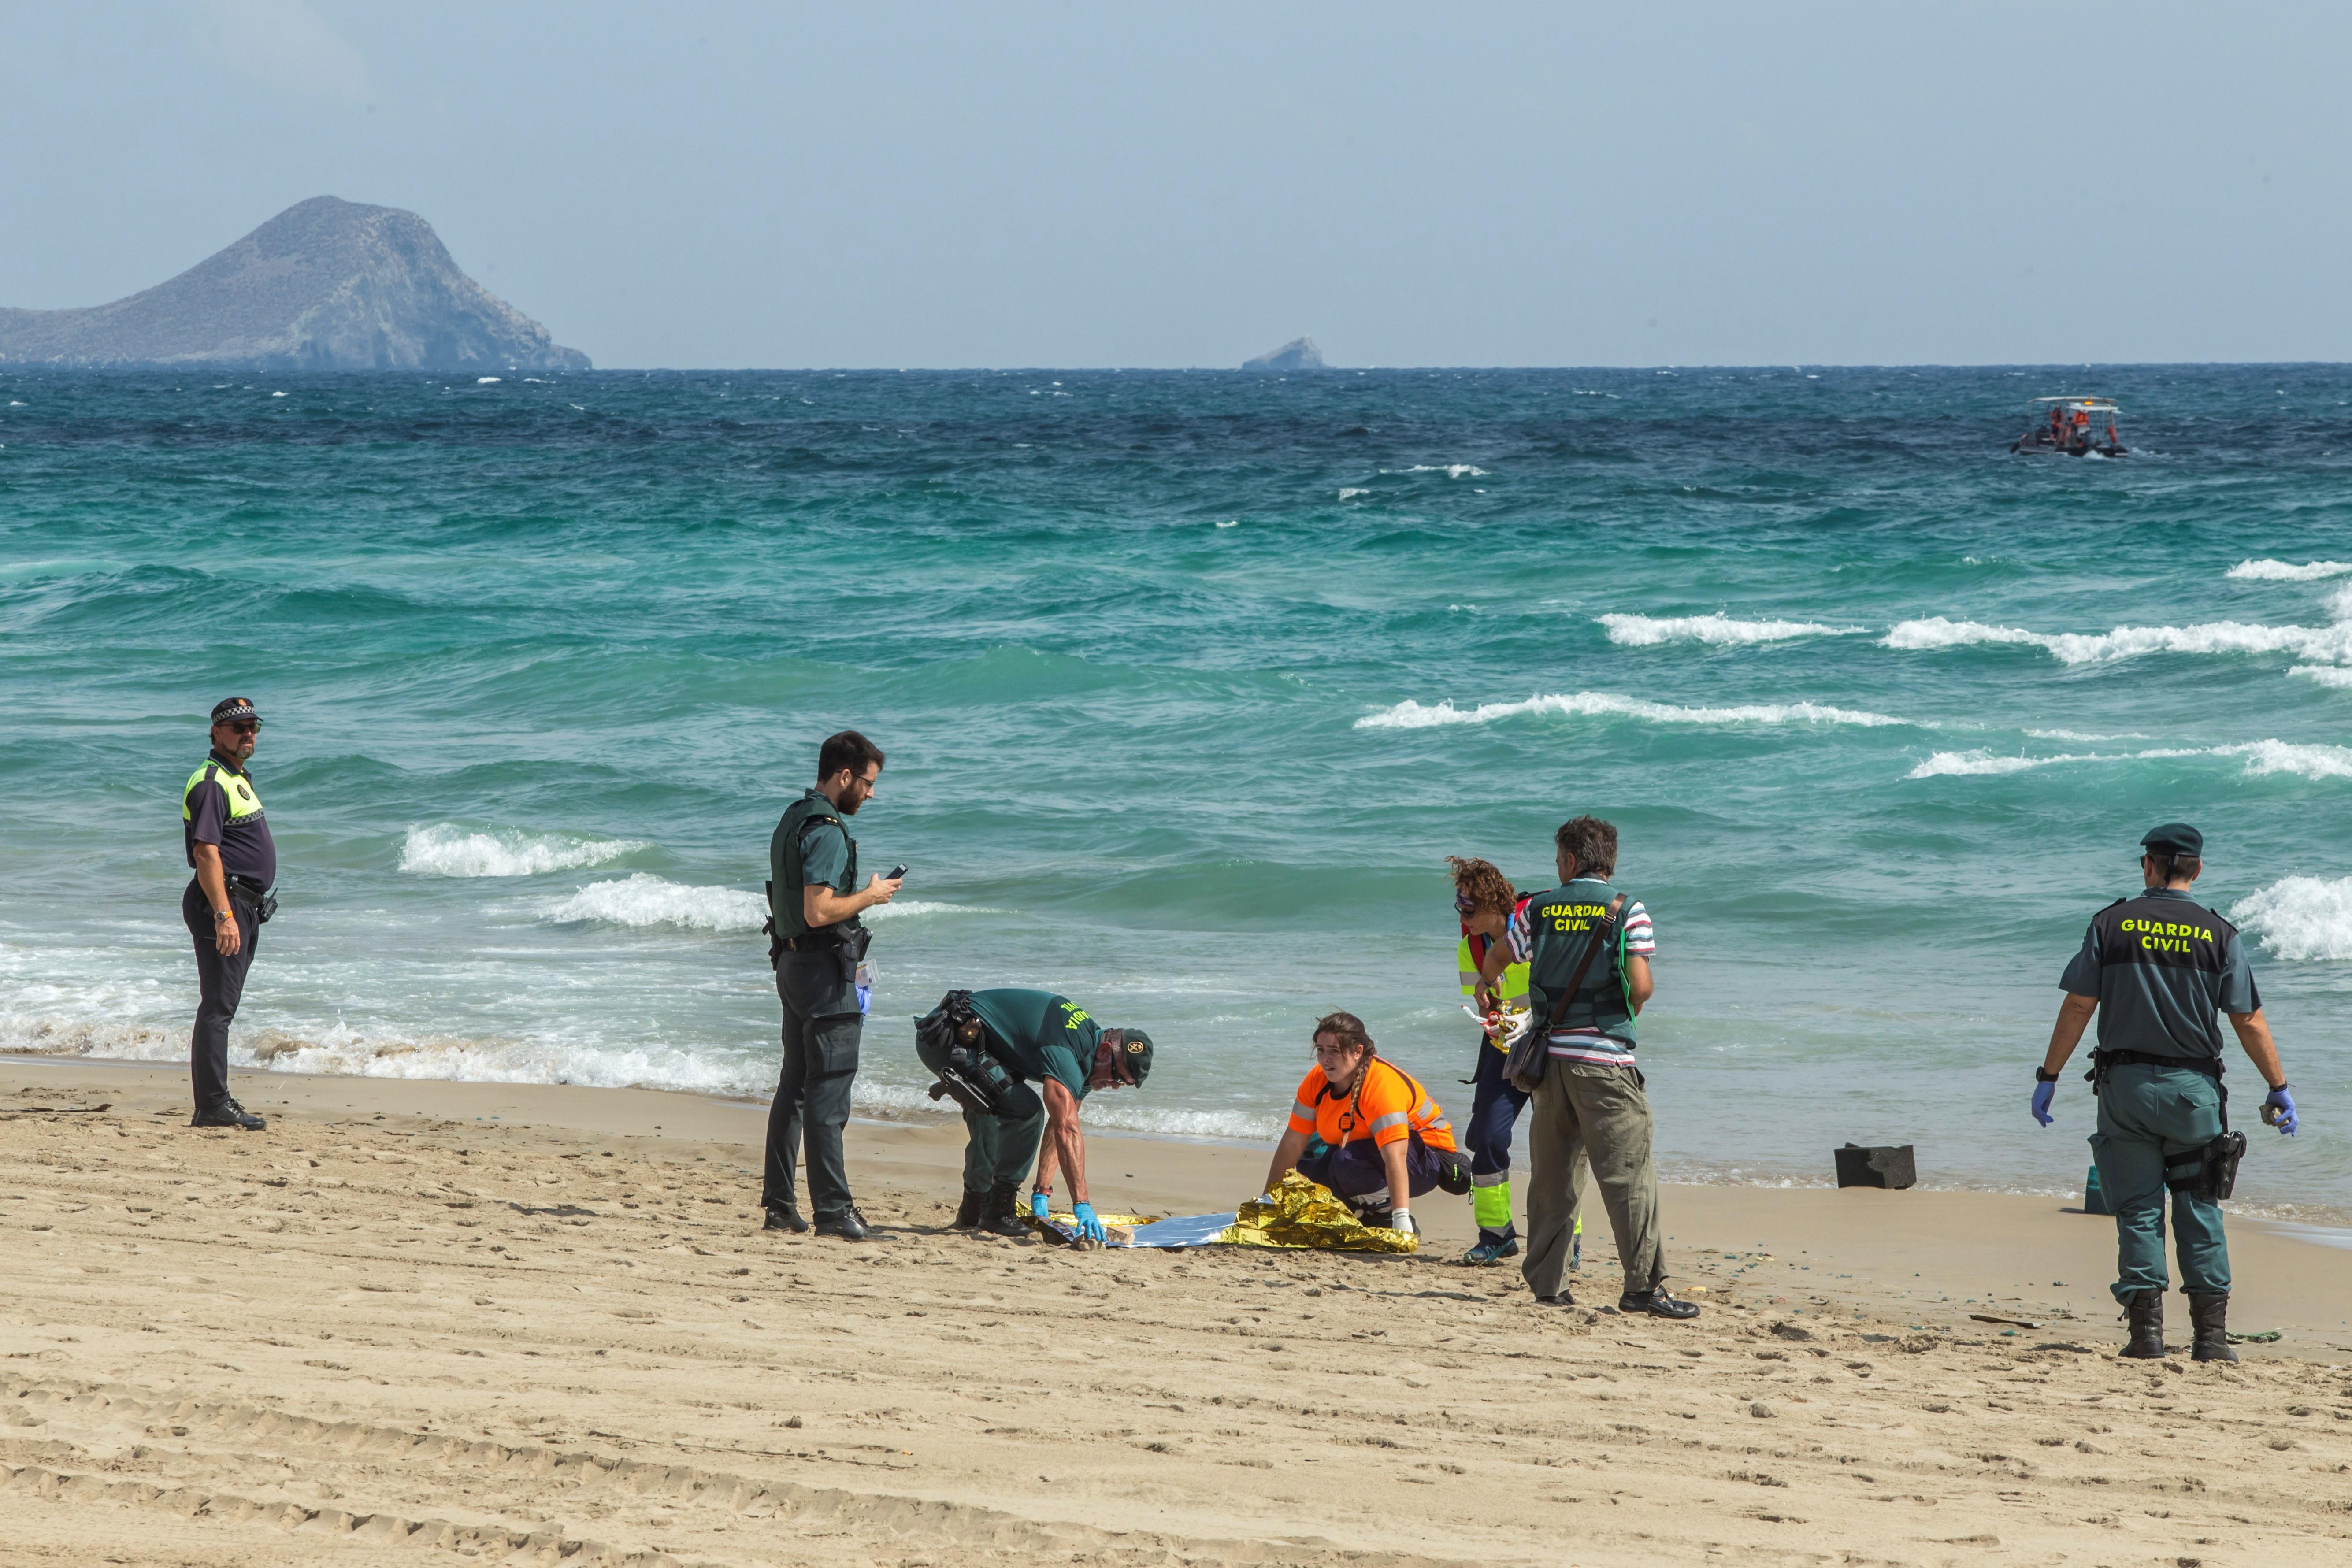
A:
(2279, 1088)
(2043, 1075)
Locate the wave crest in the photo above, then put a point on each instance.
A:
(1717, 629)
(2332, 644)
(449, 850)
(1412, 715)
(2306, 918)
(645, 899)
(2288, 572)
(2311, 762)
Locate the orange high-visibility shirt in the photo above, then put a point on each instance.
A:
(1390, 1106)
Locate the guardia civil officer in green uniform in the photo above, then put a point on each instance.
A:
(2156, 968)
(989, 1046)
(818, 946)
(226, 836)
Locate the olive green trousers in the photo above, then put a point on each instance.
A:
(1586, 1111)
(2149, 1117)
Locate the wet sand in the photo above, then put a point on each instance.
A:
(530, 1323)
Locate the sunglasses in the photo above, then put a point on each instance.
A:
(243, 726)
(1462, 905)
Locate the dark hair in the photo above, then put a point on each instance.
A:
(1347, 1028)
(1483, 883)
(2171, 868)
(848, 749)
(1593, 843)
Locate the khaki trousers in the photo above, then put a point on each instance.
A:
(1584, 1110)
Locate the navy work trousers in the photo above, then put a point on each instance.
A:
(812, 1103)
(1355, 1170)
(1494, 1107)
(220, 983)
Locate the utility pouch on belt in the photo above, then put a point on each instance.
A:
(263, 902)
(1525, 1065)
(768, 929)
(2210, 1172)
(975, 1079)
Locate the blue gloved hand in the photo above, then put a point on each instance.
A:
(2041, 1097)
(2281, 1102)
(1089, 1228)
(1041, 1204)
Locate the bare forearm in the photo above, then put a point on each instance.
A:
(1639, 986)
(821, 906)
(2254, 1036)
(1049, 1160)
(1286, 1158)
(1073, 1155)
(2073, 1017)
(210, 878)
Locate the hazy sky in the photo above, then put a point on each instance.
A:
(722, 184)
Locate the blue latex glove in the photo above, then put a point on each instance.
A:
(2280, 1100)
(1088, 1226)
(2042, 1096)
(1040, 1205)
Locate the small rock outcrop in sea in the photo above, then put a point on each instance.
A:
(1299, 353)
(325, 285)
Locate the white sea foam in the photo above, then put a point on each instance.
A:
(898, 908)
(1647, 631)
(645, 899)
(1413, 715)
(1351, 493)
(2288, 572)
(1451, 470)
(2300, 918)
(2332, 643)
(2333, 675)
(447, 849)
(2261, 757)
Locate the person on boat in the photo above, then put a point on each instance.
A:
(2057, 433)
(1366, 1130)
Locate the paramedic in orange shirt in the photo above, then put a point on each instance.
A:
(1366, 1129)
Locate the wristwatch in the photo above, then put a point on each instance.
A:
(2043, 1075)
(222, 916)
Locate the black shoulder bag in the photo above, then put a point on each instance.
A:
(1525, 1065)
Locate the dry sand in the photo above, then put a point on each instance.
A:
(536, 1324)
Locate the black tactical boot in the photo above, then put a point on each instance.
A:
(2209, 1317)
(2146, 1309)
(228, 1113)
(1001, 1216)
(968, 1211)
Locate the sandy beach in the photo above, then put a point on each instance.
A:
(538, 1324)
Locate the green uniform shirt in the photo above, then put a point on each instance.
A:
(1040, 1035)
(2163, 967)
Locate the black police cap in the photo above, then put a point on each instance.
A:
(2175, 839)
(1135, 1051)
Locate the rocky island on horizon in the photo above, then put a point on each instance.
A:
(325, 285)
(1298, 354)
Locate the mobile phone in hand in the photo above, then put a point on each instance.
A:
(896, 872)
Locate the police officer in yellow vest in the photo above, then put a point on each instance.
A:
(227, 835)
(1485, 899)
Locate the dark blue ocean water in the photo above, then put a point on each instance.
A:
(1189, 683)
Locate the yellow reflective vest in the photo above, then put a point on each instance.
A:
(1513, 985)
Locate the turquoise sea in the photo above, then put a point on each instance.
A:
(1190, 682)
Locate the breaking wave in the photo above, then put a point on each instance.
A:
(447, 849)
(2332, 644)
(2306, 918)
(1413, 715)
(1719, 629)
(2311, 762)
(2288, 572)
(645, 899)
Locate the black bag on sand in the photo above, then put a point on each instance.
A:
(1525, 1065)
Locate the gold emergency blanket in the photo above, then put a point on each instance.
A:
(1300, 1212)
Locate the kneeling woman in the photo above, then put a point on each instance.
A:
(1367, 1131)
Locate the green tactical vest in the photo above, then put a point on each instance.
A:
(784, 862)
(242, 802)
(1563, 922)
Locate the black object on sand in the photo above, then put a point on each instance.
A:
(1890, 1166)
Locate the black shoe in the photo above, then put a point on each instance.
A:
(967, 1212)
(2209, 1316)
(785, 1216)
(228, 1113)
(848, 1224)
(2146, 1311)
(1562, 1299)
(1658, 1304)
(1001, 1214)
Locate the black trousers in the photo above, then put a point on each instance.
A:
(812, 1102)
(220, 983)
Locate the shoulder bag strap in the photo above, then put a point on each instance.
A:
(1584, 965)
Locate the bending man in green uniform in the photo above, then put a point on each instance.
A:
(2156, 968)
(988, 1046)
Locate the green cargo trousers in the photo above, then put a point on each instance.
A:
(1584, 1110)
(2150, 1115)
(996, 1147)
